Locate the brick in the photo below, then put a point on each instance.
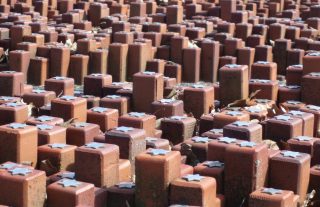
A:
(104, 117)
(28, 185)
(97, 163)
(200, 192)
(294, 165)
(39, 97)
(244, 131)
(59, 155)
(94, 83)
(68, 107)
(80, 194)
(11, 83)
(162, 169)
(21, 143)
(177, 128)
(131, 142)
(13, 112)
(240, 181)
(82, 133)
(271, 197)
(151, 81)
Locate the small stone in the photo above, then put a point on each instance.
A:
(44, 118)
(59, 78)
(127, 185)
(38, 91)
(137, 114)
(290, 154)
(234, 113)
(313, 54)
(217, 131)
(297, 66)
(96, 74)
(7, 166)
(80, 124)
(254, 109)
(15, 104)
(8, 71)
(148, 73)
(151, 139)
(6, 98)
(113, 96)
(17, 126)
(292, 87)
(296, 113)
(193, 177)
(241, 123)
(99, 109)
(200, 139)
(315, 74)
(283, 117)
(166, 101)
(20, 171)
(247, 144)
(69, 183)
(262, 101)
(124, 129)
(157, 152)
(232, 66)
(313, 107)
(57, 145)
(94, 145)
(303, 138)
(293, 102)
(271, 191)
(226, 140)
(69, 175)
(198, 86)
(44, 127)
(68, 98)
(179, 118)
(263, 62)
(212, 164)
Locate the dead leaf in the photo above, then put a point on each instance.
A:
(284, 145)
(2, 58)
(190, 114)
(172, 93)
(283, 108)
(197, 128)
(243, 202)
(254, 94)
(271, 144)
(30, 109)
(170, 145)
(48, 167)
(158, 111)
(211, 108)
(170, 62)
(250, 101)
(5, 57)
(186, 149)
(60, 94)
(272, 43)
(255, 121)
(28, 163)
(67, 123)
(158, 123)
(309, 199)
(238, 103)
(274, 111)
